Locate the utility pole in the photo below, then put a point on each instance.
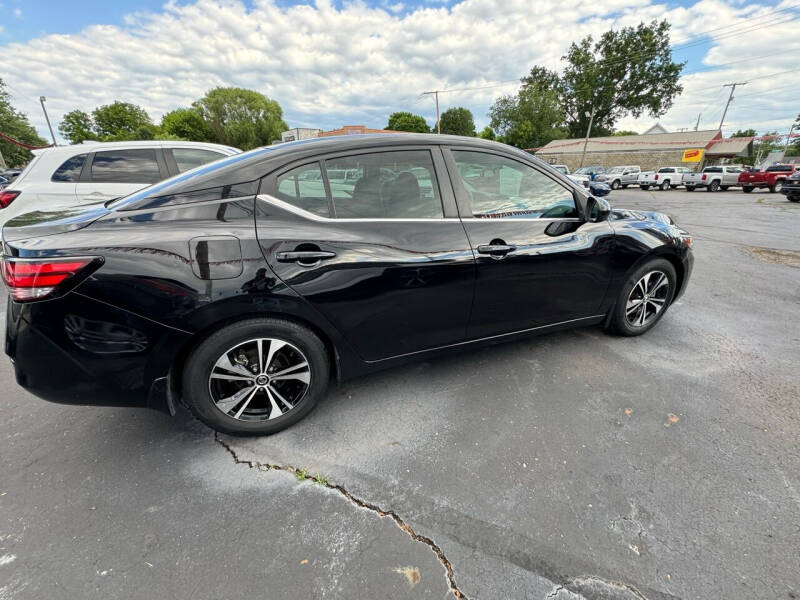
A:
(42, 100)
(436, 99)
(696, 125)
(795, 125)
(586, 139)
(730, 97)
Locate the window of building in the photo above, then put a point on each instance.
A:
(71, 169)
(384, 185)
(499, 187)
(126, 166)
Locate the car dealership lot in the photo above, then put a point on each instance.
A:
(664, 466)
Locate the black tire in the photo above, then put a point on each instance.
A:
(724, 188)
(713, 186)
(624, 186)
(747, 189)
(197, 371)
(618, 322)
(664, 185)
(689, 188)
(615, 184)
(645, 187)
(776, 187)
(793, 198)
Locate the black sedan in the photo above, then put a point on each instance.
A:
(791, 187)
(242, 288)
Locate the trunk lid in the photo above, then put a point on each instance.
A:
(43, 223)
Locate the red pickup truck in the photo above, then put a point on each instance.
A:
(771, 177)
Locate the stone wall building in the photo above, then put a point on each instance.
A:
(649, 151)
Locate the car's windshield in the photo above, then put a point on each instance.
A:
(562, 169)
(616, 169)
(583, 171)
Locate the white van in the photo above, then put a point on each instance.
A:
(91, 172)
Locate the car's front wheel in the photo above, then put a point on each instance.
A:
(615, 184)
(644, 298)
(256, 377)
(776, 187)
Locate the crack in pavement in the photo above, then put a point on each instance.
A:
(399, 521)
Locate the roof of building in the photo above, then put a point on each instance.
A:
(680, 140)
(356, 130)
(731, 147)
(657, 128)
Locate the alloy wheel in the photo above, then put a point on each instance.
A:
(647, 299)
(259, 380)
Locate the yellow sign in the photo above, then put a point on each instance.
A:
(692, 156)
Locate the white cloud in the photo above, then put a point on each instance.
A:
(328, 66)
(17, 13)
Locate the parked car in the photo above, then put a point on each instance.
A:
(590, 172)
(10, 174)
(621, 176)
(791, 187)
(3, 183)
(241, 289)
(772, 177)
(64, 176)
(665, 178)
(713, 178)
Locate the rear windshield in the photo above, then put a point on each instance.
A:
(666, 170)
(712, 170)
(779, 169)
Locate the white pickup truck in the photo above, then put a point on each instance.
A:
(664, 179)
(719, 177)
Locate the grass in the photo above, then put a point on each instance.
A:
(301, 475)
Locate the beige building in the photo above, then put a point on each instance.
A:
(649, 150)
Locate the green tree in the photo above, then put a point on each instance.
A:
(120, 121)
(77, 126)
(627, 72)
(457, 121)
(242, 118)
(625, 132)
(186, 124)
(531, 118)
(487, 133)
(745, 133)
(16, 125)
(405, 121)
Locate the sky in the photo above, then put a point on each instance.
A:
(340, 62)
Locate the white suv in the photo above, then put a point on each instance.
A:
(92, 172)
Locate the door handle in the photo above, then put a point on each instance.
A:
(304, 256)
(496, 249)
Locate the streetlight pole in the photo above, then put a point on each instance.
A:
(586, 139)
(435, 94)
(42, 100)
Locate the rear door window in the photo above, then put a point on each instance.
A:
(304, 188)
(70, 170)
(126, 166)
(190, 158)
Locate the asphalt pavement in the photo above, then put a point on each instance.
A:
(575, 465)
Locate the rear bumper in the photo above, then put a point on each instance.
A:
(75, 350)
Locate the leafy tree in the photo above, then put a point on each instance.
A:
(626, 72)
(625, 132)
(16, 125)
(77, 126)
(487, 133)
(185, 124)
(745, 133)
(242, 118)
(530, 119)
(457, 121)
(122, 121)
(405, 121)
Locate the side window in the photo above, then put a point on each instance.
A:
(304, 188)
(500, 187)
(70, 170)
(126, 166)
(384, 185)
(189, 158)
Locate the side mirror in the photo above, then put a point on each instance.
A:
(597, 209)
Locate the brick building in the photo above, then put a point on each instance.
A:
(649, 151)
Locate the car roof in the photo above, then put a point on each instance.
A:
(95, 146)
(253, 165)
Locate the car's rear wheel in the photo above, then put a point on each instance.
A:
(644, 298)
(747, 189)
(256, 377)
(664, 185)
(615, 184)
(795, 198)
(689, 188)
(776, 187)
(713, 186)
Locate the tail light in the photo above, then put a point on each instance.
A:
(703, 178)
(36, 279)
(7, 197)
(656, 176)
